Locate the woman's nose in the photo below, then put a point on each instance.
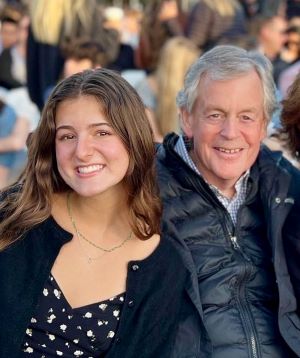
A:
(84, 147)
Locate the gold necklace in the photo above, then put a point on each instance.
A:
(81, 236)
(90, 259)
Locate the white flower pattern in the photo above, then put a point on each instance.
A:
(57, 294)
(110, 334)
(70, 332)
(103, 306)
(28, 350)
(88, 315)
(63, 327)
(51, 318)
(51, 337)
(90, 333)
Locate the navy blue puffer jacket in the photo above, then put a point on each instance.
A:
(245, 291)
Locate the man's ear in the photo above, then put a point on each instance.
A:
(264, 129)
(186, 122)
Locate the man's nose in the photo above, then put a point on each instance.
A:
(230, 128)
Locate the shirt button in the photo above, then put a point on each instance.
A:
(130, 303)
(135, 267)
(277, 200)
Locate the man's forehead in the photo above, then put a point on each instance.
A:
(215, 80)
(211, 91)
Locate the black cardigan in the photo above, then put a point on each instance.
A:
(155, 294)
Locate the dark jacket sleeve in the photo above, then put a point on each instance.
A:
(44, 67)
(6, 78)
(32, 73)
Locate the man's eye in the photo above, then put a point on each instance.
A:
(215, 115)
(247, 118)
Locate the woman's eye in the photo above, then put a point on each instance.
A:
(102, 133)
(67, 137)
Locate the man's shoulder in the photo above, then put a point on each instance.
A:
(171, 170)
(166, 158)
(275, 159)
(275, 168)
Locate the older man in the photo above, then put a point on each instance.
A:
(230, 206)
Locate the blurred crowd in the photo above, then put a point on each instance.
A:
(44, 41)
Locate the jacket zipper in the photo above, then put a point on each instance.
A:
(246, 316)
(241, 294)
(237, 247)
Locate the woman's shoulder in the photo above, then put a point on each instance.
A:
(158, 250)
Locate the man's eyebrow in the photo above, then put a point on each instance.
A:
(218, 108)
(214, 108)
(250, 109)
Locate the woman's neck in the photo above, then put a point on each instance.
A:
(101, 211)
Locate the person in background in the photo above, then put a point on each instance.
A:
(113, 20)
(270, 34)
(81, 230)
(212, 21)
(233, 204)
(131, 27)
(13, 135)
(10, 16)
(13, 59)
(273, 7)
(79, 55)
(53, 23)
(287, 139)
(8, 32)
(83, 54)
(130, 35)
(265, 8)
(293, 8)
(292, 53)
(13, 89)
(159, 89)
(162, 20)
(290, 118)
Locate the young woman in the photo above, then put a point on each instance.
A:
(83, 270)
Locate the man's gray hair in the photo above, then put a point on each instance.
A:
(226, 62)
